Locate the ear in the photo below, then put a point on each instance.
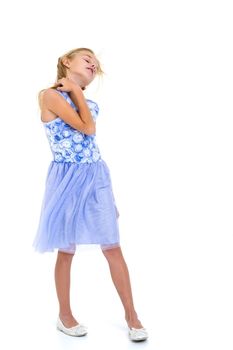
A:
(66, 62)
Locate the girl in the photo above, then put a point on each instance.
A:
(79, 205)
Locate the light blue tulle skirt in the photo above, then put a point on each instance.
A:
(78, 208)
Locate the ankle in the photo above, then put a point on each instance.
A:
(65, 315)
(131, 315)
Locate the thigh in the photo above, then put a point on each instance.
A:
(106, 247)
(111, 253)
(71, 249)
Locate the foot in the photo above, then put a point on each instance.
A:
(133, 321)
(136, 330)
(68, 320)
(138, 334)
(76, 331)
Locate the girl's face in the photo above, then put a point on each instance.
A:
(83, 66)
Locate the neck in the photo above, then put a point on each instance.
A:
(76, 79)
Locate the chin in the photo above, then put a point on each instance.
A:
(87, 82)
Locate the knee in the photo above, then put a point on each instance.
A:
(64, 257)
(112, 253)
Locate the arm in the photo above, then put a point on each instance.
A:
(78, 98)
(54, 102)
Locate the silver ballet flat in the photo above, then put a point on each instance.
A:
(138, 334)
(76, 331)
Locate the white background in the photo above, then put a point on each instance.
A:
(165, 130)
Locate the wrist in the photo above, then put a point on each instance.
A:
(76, 89)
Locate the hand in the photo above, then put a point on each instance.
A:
(65, 84)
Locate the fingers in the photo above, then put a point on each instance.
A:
(63, 84)
(59, 84)
(60, 81)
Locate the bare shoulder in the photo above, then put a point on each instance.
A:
(41, 95)
(44, 96)
(47, 93)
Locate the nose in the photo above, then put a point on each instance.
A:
(93, 66)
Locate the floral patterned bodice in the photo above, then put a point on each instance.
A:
(71, 145)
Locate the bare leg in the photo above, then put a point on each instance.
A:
(121, 279)
(62, 281)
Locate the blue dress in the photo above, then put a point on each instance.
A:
(78, 206)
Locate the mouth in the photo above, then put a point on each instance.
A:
(90, 69)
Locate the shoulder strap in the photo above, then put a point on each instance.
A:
(67, 98)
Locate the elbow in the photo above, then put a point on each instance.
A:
(91, 130)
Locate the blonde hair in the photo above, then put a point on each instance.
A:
(61, 68)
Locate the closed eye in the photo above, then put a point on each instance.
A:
(85, 59)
